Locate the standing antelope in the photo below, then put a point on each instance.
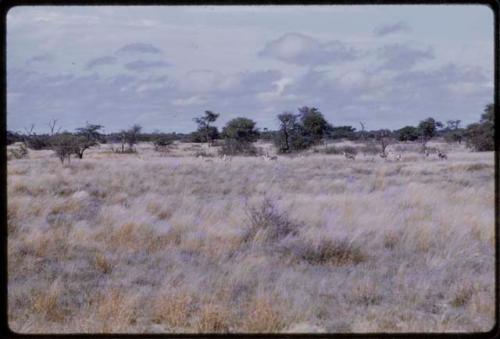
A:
(442, 155)
(267, 157)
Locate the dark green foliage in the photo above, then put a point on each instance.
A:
(162, 142)
(313, 122)
(232, 146)
(207, 133)
(480, 136)
(301, 131)
(427, 129)
(408, 133)
(342, 132)
(87, 137)
(238, 135)
(241, 129)
(13, 137)
(292, 135)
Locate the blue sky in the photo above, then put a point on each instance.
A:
(387, 66)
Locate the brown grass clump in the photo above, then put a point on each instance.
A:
(213, 318)
(46, 302)
(462, 295)
(116, 310)
(263, 315)
(173, 309)
(328, 251)
(102, 263)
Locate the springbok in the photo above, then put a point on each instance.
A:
(442, 155)
(350, 156)
(267, 157)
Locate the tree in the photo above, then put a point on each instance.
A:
(408, 133)
(453, 132)
(342, 132)
(480, 136)
(288, 127)
(87, 137)
(64, 144)
(239, 134)
(313, 122)
(210, 133)
(427, 129)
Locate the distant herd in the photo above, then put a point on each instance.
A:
(350, 156)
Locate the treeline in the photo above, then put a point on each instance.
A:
(297, 131)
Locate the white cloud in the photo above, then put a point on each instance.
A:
(301, 49)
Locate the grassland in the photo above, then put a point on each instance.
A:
(153, 242)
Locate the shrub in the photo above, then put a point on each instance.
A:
(235, 147)
(19, 151)
(267, 224)
(162, 143)
(327, 251)
(64, 144)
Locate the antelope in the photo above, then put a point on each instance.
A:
(267, 157)
(349, 156)
(442, 155)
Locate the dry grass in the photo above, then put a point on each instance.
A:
(155, 242)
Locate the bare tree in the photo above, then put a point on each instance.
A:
(52, 126)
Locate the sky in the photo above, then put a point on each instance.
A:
(160, 66)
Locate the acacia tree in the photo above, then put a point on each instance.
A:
(427, 129)
(313, 122)
(239, 134)
(288, 123)
(87, 137)
(204, 126)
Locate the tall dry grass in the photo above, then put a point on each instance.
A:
(153, 242)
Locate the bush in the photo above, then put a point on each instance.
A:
(64, 144)
(327, 251)
(19, 151)
(267, 225)
(162, 143)
(237, 147)
(39, 142)
(480, 138)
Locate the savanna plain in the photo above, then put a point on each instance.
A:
(155, 243)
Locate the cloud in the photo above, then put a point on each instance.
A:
(105, 60)
(301, 49)
(41, 58)
(143, 65)
(139, 48)
(398, 27)
(400, 56)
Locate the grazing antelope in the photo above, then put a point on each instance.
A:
(442, 155)
(350, 156)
